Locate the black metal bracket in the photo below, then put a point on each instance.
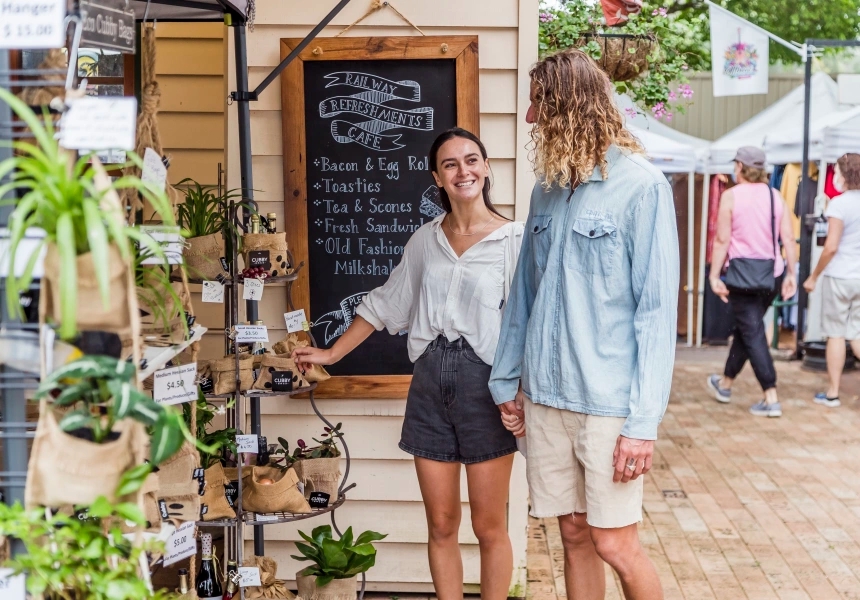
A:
(243, 96)
(253, 96)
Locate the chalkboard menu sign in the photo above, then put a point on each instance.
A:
(369, 187)
(359, 118)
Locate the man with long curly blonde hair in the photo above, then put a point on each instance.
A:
(585, 356)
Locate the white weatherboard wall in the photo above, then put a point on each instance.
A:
(387, 498)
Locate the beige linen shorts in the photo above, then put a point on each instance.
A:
(840, 308)
(569, 468)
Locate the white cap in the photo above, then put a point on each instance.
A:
(206, 543)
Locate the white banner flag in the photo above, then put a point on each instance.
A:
(739, 55)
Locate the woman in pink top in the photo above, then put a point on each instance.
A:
(751, 223)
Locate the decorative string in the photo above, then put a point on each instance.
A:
(376, 5)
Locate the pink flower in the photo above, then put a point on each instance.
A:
(631, 112)
(669, 117)
(685, 67)
(685, 90)
(660, 11)
(672, 96)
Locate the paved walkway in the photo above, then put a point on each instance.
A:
(738, 506)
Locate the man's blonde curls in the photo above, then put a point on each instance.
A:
(576, 119)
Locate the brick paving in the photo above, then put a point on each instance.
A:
(738, 506)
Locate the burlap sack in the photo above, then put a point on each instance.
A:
(271, 587)
(151, 297)
(177, 486)
(223, 373)
(157, 335)
(270, 364)
(214, 503)
(66, 470)
(320, 475)
(276, 244)
(203, 256)
(337, 589)
(91, 314)
(150, 503)
(314, 373)
(281, 496)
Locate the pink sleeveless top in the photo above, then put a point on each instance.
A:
(752, 235)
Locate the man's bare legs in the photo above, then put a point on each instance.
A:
(586, 548)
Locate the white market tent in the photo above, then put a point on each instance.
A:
(672, 152)
(842, 137)
(782, 120)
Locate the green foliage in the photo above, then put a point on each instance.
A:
(337, 559)
(72, 558)
(204, 212)
(662, 87)
(59, 195)
(789, 19)
(214, 445)
(327, 448)
(98, 391)
(154, 282)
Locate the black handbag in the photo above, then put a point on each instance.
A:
(755, 275)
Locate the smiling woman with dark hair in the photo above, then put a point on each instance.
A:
(449, 291)
(840, 265)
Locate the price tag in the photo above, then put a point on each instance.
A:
(252, 333)
(213, 292)
(29, 24)
(265, 518)
(250, 576)
(295, 320)
(175, 385)
(253, 289)
(181, 544)
(171, 241)
(154, 171)
(100, 123)
(247, 444)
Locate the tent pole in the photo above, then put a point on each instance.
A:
(691, 240)
(703, 250)
(801, 208)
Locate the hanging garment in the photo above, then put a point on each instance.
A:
(789, 189)
(717, 188)
(829, 188)
(776, 176)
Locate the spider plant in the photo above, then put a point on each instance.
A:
(62, 196)
(204, 210)
(154, 288)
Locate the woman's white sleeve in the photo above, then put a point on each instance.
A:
(390, 305)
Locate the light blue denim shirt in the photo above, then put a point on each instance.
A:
(591, 320)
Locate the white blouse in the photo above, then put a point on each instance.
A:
(432, 292)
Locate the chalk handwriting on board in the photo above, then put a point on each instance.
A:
(372, 104)
(431, 205)
(338, 321)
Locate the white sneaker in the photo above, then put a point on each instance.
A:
(822, 399)
(763, 409)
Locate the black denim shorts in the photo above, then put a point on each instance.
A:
(450, 414)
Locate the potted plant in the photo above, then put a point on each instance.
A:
(647, 57)
(319, 467)
(216, 445)
(80, 556)
(205, 222)
(86, 283)
(336, 563)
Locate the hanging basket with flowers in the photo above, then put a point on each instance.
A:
(647, 55)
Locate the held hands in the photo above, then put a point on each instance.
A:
(513, 416)
(629, 452)
(809, 284)
(719, 288)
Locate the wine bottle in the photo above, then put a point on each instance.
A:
(272, 222)
(183, 581)
(208, 586)
(255, 223)
(232, 587)
(231, 568)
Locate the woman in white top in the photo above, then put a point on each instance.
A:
(840, 265)
(449, 291)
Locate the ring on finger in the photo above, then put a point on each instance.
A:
(631, 464)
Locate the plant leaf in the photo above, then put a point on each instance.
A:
(334, 554)
(167, 437)
(97, 238)
(133, 479)
(370, 536)
(67, 250)
(363, 549)
(76, 419)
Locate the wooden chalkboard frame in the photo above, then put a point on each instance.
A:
(464, 51)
